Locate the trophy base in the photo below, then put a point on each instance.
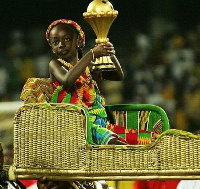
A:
(103, 64)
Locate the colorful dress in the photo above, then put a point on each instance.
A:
(86, 94)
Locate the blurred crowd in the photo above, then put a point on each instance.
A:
(161, 68)
(25, 55)
(164, 69)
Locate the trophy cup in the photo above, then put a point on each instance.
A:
(100, 15)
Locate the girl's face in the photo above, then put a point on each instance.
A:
(64, 42)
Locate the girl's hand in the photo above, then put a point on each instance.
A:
(104, 49)
(116, 141)
(43, 183)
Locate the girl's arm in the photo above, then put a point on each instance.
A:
(69, 76)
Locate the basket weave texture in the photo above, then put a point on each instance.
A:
(50, 140)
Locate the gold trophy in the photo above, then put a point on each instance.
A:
(100, 15)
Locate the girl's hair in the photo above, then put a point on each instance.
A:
(72, 24)
(80, 53)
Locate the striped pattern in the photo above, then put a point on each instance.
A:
(37, 90)
(143, 120)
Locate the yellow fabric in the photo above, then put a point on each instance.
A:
(125, 184)
(121, 184)
(111, 184)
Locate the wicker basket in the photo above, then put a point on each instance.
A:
(50, 140)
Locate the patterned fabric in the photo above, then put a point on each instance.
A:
(132, 136)
(85, 93)
(37, 90)
(136, 127)
(71, 23)
(143, 119)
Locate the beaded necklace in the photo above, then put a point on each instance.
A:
(68, 65)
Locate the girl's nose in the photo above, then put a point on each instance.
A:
(62, 43)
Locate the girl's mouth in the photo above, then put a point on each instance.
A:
(63, 52)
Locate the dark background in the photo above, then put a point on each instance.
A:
(26, 13)
(132, 13)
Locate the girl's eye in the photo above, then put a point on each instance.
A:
(55, 42)
(67, 39)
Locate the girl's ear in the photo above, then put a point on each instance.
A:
(78, 43)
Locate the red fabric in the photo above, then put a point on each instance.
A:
(81, 93)
(86, 98)
(118, 129)
(61, 95)
(28, 183)
(132, 138)
(74, 97)
(156, 184)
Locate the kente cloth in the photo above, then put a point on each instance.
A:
(40, 90)
(133, 136)
(136, 127)
(85, 93)
(36, 90)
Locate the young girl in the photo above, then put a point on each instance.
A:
(71, 78)
(72, 83)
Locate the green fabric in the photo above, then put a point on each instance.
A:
(56, 93)
(156, 116)
(67, 98)
(132, 121)
(153, 119)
